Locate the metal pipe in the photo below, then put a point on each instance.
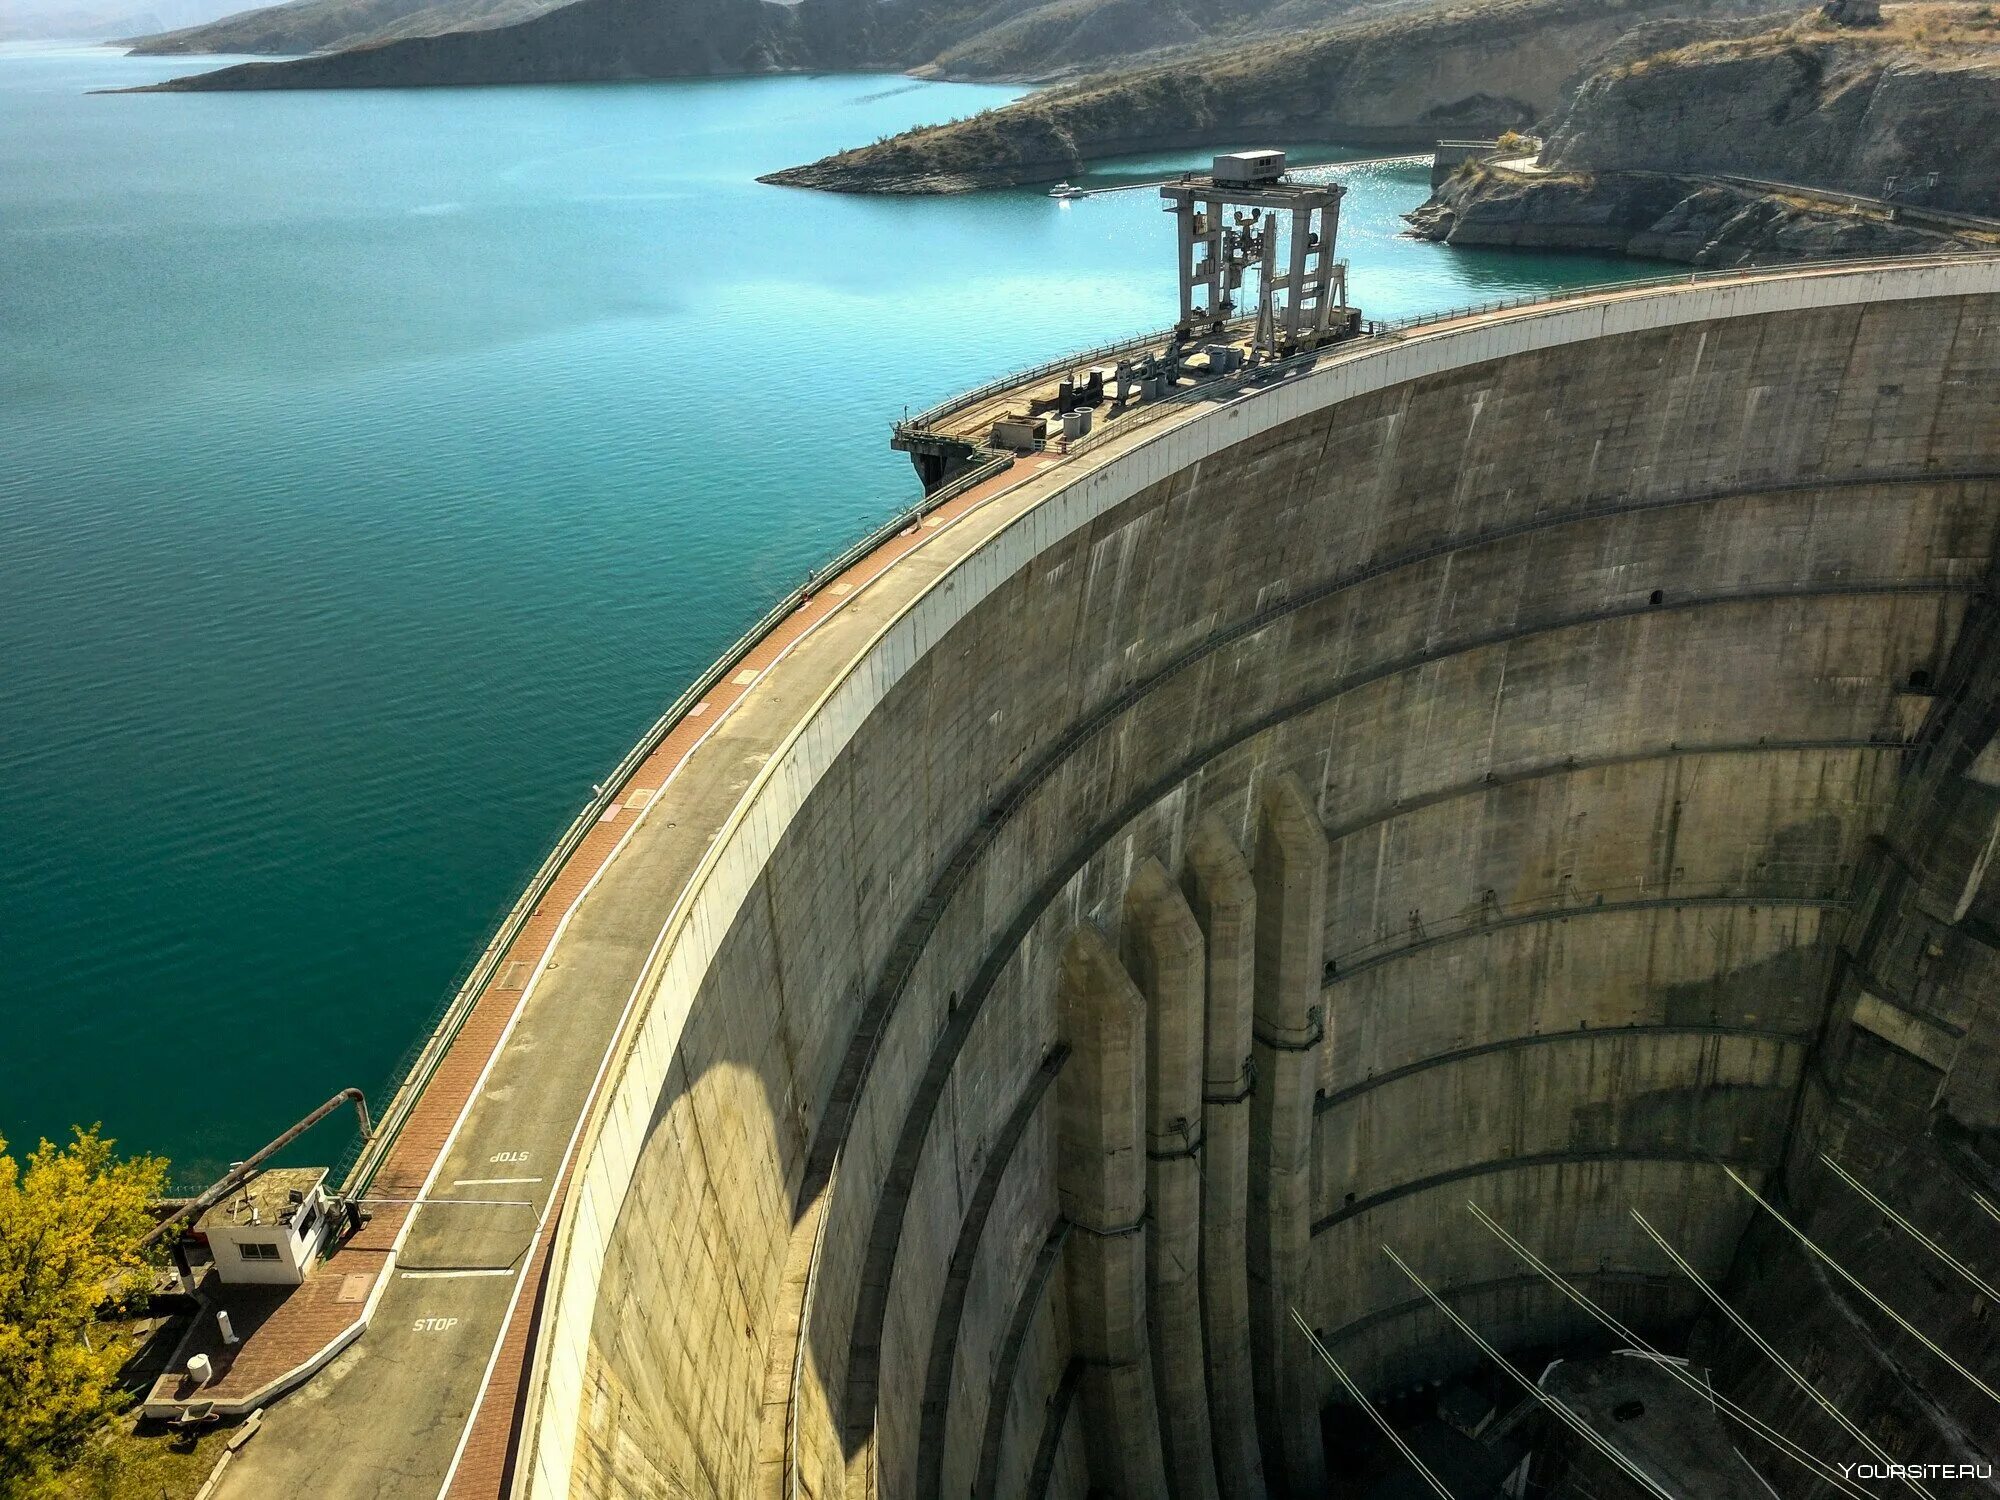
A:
(244, 1170)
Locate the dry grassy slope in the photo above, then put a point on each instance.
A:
(1807, 103)
(1483, 65)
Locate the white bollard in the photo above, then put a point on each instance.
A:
(200, 1371)
(222, 1322)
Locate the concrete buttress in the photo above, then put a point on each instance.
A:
(1101, 1179)
(1224, 899)
(1163, 952)
(1289, 1032)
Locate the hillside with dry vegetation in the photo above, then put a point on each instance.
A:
(1809, 102)
(1030, 40)
(1743, 144)
(1401, 80)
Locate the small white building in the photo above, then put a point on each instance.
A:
(1249, 169)
(269, 1230)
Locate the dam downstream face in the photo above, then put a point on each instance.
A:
(1525, 763)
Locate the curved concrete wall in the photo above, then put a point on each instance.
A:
(1547, 676)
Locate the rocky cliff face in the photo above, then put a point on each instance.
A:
(1401, 80)
(1675, 146)
(1809, 103)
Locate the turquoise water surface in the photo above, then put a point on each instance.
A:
(375, 465)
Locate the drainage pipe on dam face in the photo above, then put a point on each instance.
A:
(1164, 956)
(1101, 1178)
(1224, 900)
(1291, 932)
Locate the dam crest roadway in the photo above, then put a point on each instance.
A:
(1090, 921)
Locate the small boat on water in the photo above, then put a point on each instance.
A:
(1064, 190)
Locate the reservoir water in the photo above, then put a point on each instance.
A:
(375, 465)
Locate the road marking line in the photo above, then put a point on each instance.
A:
(490, 1181)
(449, 1275)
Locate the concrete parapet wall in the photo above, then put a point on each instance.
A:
(1620, 611)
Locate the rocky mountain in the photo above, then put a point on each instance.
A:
(986, 39)
(1053, 39)
(1663, 150)
(329, 25)
(590, 40)
(1810, 102)
(1402, 79)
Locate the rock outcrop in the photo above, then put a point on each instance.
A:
(325, 25)
(1402, 80)
(1807, 103)
(1732, 145)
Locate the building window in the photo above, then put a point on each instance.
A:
(308, 1222)
(252, 1251)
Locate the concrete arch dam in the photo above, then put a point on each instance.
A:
(1545, 759)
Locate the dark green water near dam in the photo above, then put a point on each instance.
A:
(375, 465)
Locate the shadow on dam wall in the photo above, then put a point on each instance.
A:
(1595, 644)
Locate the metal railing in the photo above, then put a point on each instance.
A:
(924, 420)
(365, 1157)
